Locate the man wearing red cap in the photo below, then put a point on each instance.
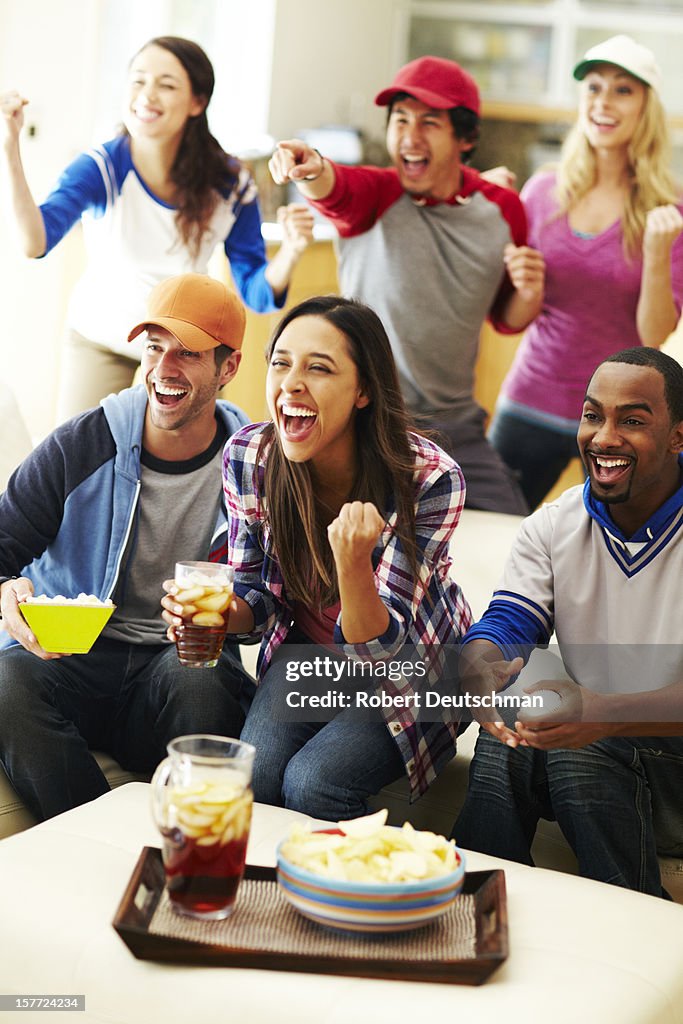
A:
(434, 248)
(105, 506)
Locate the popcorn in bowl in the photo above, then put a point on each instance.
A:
(66, 625)
(368, 876)
(82, 599)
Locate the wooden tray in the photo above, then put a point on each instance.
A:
(432, 953)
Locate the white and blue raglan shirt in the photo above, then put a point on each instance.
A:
(132, 243)
(613, 602)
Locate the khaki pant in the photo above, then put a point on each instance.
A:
(89, 372)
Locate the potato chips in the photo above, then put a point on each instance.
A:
(370, 851)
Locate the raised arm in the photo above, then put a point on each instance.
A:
(312, 173)
(296, 221)
(17, 195)
(657, 314)
(526, 270)
(353, 536)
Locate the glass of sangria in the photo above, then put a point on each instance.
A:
(202, 802)
(204, 591)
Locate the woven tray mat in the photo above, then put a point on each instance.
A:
(264, 920)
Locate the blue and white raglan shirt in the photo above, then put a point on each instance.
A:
(132, 243)
(613, 601)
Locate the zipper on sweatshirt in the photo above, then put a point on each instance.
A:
(124, 545)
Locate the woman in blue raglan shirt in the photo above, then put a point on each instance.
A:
(155, 202)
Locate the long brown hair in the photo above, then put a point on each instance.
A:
(385, 459)
(202, 170)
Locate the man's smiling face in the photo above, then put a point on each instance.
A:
(181, 384)
(424, 149)
(627, 440)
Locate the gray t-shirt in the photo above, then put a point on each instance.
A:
(177, 511)
(432, 272)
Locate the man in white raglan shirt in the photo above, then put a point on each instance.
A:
(601, 567)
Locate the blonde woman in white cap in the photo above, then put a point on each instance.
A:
(608, 222)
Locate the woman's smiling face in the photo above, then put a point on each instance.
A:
(611, 105)
(160, 97)
(313, 392)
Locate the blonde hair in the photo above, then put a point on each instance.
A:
(652, 183)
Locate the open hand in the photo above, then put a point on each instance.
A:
(502, 176)
(12, 594)
(482, 678)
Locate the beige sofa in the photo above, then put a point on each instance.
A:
(479, 549)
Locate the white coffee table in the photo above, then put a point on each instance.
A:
(579, 951)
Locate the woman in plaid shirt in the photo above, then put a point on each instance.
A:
(340, 522)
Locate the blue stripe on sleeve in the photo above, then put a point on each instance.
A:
(90, 182)
(246, 251)
(79, 188)
(511, 628)
(520, 599)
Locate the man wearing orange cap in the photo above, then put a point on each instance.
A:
(106, 505)
(434, 248)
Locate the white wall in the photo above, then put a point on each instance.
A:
(44, 52)
(330, 59)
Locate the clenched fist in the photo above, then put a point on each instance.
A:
(526, 269)
(12, 108)
(353, 534)
(663, 225)
(296, 221)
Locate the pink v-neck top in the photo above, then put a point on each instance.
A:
(589, 311)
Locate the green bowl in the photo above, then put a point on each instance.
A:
(66, 628)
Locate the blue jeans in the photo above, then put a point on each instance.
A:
(128, 700)
(325, 769)
(618, 801)
(536, 454)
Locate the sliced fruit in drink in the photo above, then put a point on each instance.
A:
(190, 595)
(214, 602)
(208, 619)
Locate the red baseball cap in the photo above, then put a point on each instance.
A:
(439, 83)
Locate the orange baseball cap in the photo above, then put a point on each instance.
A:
(199, 311)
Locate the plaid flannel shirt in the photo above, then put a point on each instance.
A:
(430, 614)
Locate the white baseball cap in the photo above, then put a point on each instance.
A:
(626, 53)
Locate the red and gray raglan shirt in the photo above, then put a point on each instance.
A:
(433, 271)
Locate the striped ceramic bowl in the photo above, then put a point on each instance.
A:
(368, 907)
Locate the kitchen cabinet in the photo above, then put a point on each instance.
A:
(522, 54)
